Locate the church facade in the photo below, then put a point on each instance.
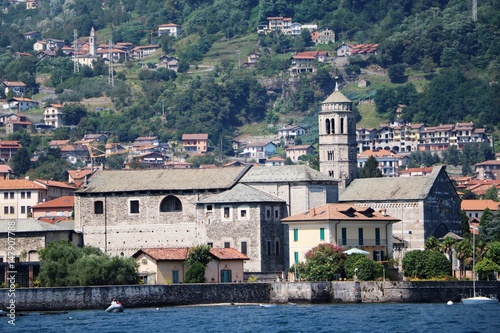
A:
(121, 211)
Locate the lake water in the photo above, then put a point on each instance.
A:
(371, 318)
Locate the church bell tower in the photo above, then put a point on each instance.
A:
(337, 139)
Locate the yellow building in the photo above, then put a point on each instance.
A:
(167, 265)
(343, 225)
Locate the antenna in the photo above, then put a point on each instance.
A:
(76, 64)
(111, 80)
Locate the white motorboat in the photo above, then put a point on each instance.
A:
(115, 307)
(476, 299)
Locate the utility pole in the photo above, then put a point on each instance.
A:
(474, 10)
(111, 79)
(76, 64)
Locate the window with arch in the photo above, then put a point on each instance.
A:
(341, 125)
(171, 204)
(327, 127)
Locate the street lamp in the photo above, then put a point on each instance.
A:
(410, 233)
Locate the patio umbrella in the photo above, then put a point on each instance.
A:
(355, 250)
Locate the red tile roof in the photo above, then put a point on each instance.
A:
(19, 184)
(169, 253)
(66, 201)
(228, 254)
(479, 205)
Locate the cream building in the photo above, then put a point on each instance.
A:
(167, 265)
(52, 114)
(343, 225)
(17, 197)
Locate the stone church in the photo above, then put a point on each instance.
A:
(121, 211)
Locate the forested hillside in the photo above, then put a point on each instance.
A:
(457, 57)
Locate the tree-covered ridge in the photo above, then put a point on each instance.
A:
(435, 37)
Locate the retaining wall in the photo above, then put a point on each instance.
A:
(71, 298)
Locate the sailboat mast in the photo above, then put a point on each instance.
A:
(474, 262)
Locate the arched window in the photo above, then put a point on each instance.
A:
(171, 204)
(342, 125)
(333, 126)
(327, 127)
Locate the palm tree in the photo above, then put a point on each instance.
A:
(432, 244)
(464, 254)
(447, 246)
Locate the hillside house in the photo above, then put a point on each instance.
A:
(52, 115)
(275, 161)
(305, 62)
(323, 35)
(258, 150)
(168, 62)
(21, 104)
(16, 87)
(8, 149)
(388, 162)
(32, 35)
(195, 143)
(140, 52)
(346, 50)
(170, 29)
(17, 125)
(143, 141)
(294, 152)
(291, 132)
(488, 170)
(366, 138)
(5, 171)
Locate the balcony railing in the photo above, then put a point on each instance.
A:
(361, 242)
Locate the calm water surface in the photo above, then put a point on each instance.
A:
(370, 318)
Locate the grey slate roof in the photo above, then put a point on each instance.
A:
(32, 225)
(170, 179)
(384, 188)
(337, 97)
(241, 193)
(286, 173)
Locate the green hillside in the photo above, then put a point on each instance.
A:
(432, 56)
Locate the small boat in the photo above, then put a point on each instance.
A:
(476, 299)
(115, 307)
(479, 300)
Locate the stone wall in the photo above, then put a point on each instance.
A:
(71, 298)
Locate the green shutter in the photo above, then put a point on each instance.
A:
(295, 235)
(296, 255)
(322, 234)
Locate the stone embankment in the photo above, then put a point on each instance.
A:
(72, 298)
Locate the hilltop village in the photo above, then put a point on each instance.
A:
(263, 201)
(259, 218)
